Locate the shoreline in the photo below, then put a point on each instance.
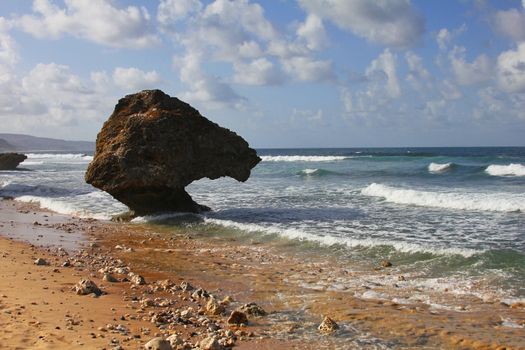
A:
(276, 279)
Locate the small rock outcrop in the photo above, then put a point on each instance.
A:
(9, 161)
(154, 145)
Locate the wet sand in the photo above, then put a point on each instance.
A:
(291, 285)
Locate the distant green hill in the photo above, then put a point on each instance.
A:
(6, 146)
(26, 143)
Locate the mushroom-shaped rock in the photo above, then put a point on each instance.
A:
(9, 161)
(154, 145)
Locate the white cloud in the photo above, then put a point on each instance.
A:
(445, 36)
(511, 69)
(417, 74)
(449, 90)
(392, 23)
(511, 23)
(260, 71)
(306, 116)
(51, 98)
(95, 20)
(203, 87)
(170, 11)
(8, 48)
(308, 69)
(135, 79)
(469, 73)
(313, 33)
(346, 98)
(250, 49)
(384, 68)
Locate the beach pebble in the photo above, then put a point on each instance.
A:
(237, 318)
(158, 344)
(200, 294)
(386, 263)
(85, 287)
(227, 300)
(137, 279)
(210, 343)
(214, 308)
(328, 325)
(253, 309)
(41, 262)
(109, 278)
(185, 286)
(175, 340)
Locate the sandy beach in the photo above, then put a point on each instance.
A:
(40, 309)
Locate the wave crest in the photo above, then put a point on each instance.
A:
(503, 202)
(61, 156)
(439, 168)
(512, 169)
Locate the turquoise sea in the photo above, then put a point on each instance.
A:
(451, 218)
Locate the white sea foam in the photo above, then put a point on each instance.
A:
(309, 171)
(302, 158)
(329, 240)
(27, 162)
(439, 168)
(512, 169)
(82, 206)
(504, 202)
(159, 217)
(61, 156)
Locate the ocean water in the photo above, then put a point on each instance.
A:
(448, 218)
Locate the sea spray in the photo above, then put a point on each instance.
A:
(506, 170)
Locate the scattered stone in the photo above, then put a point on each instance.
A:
(386, 263)
(200, 294)
(85, 287)
(137, 279)
(227, 300)
(214, 308)
(41, 262)
(253, 309)
(175, 340)
(237, 318)
(158, 344)
(185, 286)
(109, 278)
(328, 325)
(210, 343)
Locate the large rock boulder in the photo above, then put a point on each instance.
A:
(154, 145)
(9, 161)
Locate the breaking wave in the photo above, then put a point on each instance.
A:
(501, 202)
(61, 156)
(328, 240)
(439, 168)
(512, 169)
(316, 172)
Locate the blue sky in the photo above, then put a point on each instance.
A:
(281, 73)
